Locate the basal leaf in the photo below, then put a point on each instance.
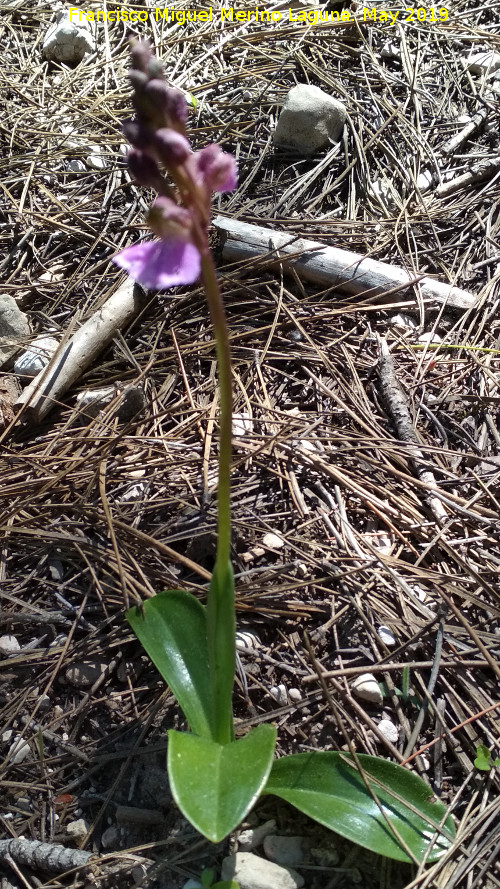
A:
(216, 785)
(328, 787)
(173, 631)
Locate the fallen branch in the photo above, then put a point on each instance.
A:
(398, 410)
(50, 857)
(75, 356)
(330, 266)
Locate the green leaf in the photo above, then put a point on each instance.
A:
(215, 785)
(496, 762)
(221, 633)
(328, 788)
(173, 630)
(483, 759)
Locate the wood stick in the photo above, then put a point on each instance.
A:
(80, 351)
(332, 267)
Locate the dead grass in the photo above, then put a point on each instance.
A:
(88, 511)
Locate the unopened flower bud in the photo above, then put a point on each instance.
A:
(137, 134)
(138, 80)
(144, 169)
(166, 103)
(155, 69)
(172, 148)
(216, 169)
(141, 55)
(168, 220)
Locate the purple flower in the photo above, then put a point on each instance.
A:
(159, 138)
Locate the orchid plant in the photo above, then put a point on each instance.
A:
(215, 778)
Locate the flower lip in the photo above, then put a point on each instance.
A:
(158, 265)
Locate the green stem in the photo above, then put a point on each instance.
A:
(221, 332)
(221, 618)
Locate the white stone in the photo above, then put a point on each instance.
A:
(387, 636)
(91, 401)
(14, 328)
(279, 693)
(253, 837)
(428, 337)
(389, 730)
(33, 361)
(383, 193)
(310, 120)
(192, 884)
(403, 322)
(252, 872)
(484, 62)
(284, 850)
(367, 688)
(273, 541)
(9, 645)
(294, 695)
(133, 493)
(391, 50)
(19, 751)
(96, 160)
(77, 829)
(424, 181)
(7, 735)
(68, 38)
(242, 424)
(246, 641)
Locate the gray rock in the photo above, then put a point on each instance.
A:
(110, 838)
(14, 328)
(68, 38)
(33, 361)
(84, 673)
(279, 693)
(252, 872)
(284, 850)
(310, 120)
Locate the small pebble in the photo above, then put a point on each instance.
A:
(387, 636)
(33, 361)
(279, 693)
(273, 541)
(192, 884)
(252, 872)
(253, 837)
(77, 829)
(85, 673)
(246, 641)
(19, 751)
(242, 424)
(284, 850)
(9, 645)
(294, 695)
(110, 838)
(367, 688)
(389, 730)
